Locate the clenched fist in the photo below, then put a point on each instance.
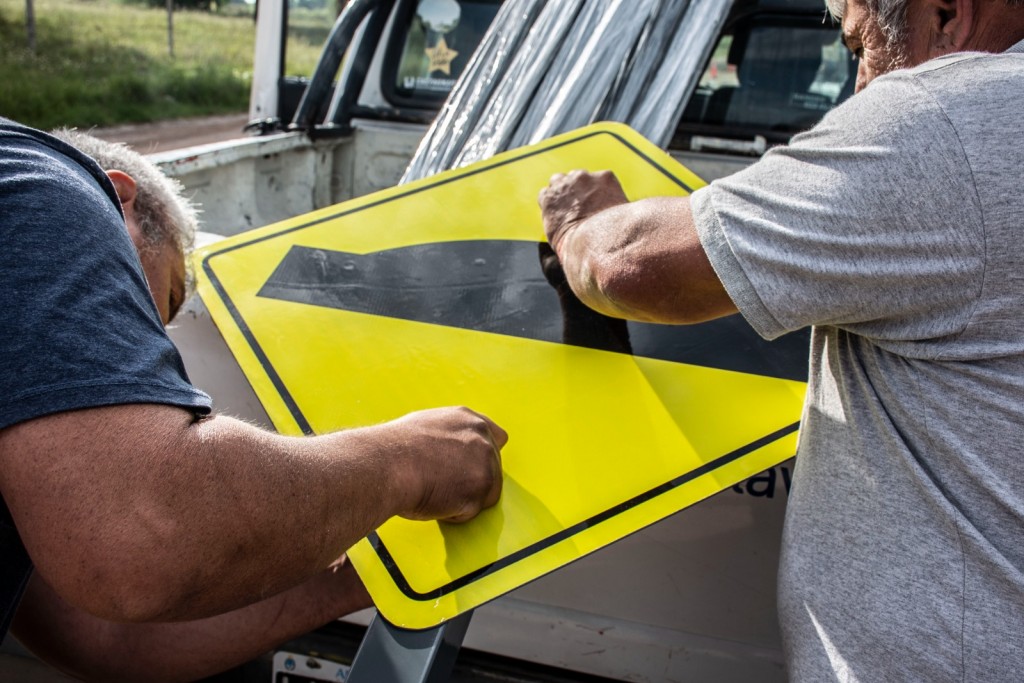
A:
(448, 463)
(571, 199)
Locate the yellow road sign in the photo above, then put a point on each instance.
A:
(434, 293)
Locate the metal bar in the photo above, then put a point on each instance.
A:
(340, 112)
(268, 63)
(396, 655)
(330, 59)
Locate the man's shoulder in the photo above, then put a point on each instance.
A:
(16, 135)
(50, 158)
(970, 72)
(979, 95)
(60, 209)
(943, 92)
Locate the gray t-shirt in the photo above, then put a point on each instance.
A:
(896, 229)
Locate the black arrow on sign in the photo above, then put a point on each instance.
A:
(516, 288)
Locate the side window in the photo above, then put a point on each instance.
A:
(425, 61)
(309, 24)
(770, 79)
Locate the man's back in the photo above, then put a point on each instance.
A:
(902, 557)
(892, 229)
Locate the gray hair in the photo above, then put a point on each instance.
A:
(163, 213)
(891, 15)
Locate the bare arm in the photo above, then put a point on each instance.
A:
(640, 260)
(90, 648)
(139, 513)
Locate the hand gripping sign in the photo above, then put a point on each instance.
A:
(443, 292)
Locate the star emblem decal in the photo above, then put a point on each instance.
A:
(441, 57)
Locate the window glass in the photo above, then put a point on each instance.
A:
(441, 39)
(772, 79)
(309, 24)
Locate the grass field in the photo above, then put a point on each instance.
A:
(99, 62)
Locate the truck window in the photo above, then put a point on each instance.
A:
(424, 61)
(309, 23)
(770, 79)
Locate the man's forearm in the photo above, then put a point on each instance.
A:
(138, 513)
(93, 649)
(643, 261)
(636, 260)
(266, 511)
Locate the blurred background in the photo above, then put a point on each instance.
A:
(182, 67)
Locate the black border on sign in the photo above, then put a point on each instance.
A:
(375, 541)
(408, 591)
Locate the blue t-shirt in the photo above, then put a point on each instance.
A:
(79, 327)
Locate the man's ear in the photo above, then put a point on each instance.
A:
(124, 185)
(951, 23)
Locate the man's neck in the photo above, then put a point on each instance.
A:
(997, 27)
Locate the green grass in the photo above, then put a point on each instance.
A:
(307, 31)
(100, 63)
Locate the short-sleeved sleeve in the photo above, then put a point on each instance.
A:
(80, 328)
(869, 222)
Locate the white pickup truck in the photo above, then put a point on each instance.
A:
(690, 598)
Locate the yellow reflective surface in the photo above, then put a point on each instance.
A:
(601, 443)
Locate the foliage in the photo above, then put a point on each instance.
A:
(229, 6)
(204, 5)
(99, 62)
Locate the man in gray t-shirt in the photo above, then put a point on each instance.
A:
(895, 229)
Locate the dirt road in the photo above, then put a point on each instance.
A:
(148, 138)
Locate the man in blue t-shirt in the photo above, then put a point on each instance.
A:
(138, 531)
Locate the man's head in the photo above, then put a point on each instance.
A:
(161, 221)
(894, 34)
